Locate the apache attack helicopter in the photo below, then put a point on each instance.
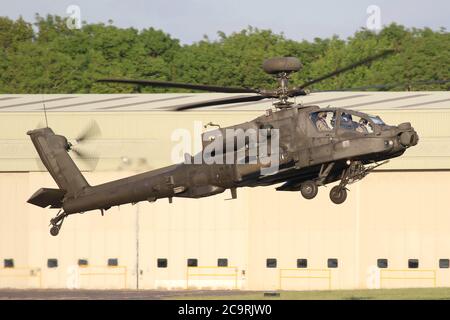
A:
(316, 146)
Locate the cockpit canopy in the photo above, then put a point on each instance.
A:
(327, 120)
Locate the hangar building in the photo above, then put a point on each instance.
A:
(393, 231)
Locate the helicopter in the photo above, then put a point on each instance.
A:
(311, 147)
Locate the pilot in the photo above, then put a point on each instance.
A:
(362, 126)
(347, 121)
(321, 122)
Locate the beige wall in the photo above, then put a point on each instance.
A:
(392, 215)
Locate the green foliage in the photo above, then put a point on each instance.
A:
(51, 58)
(13, 32)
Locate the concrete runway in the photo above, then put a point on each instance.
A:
(63, 294)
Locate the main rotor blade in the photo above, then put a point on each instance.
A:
(165, 84)
(389, 86)
(347, 68)
(217, 102)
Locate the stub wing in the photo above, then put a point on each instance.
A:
(45, 197)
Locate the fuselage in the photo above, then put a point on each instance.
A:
(303, 149)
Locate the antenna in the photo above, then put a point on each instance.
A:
(43, 100)
(45, 111)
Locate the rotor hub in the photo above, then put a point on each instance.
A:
(281, 68)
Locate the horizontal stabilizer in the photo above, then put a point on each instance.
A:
(45, 197)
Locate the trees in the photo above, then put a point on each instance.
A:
(55, 59)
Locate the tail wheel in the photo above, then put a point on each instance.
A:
(309, 190)
(338, 195)
(57, 222)
(54, 231)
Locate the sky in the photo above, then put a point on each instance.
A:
(190, 20)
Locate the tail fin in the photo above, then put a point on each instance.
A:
(52, 150)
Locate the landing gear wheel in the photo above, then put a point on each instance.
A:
(338, 195)
(54, 231)
(57, 222)
(309, 190)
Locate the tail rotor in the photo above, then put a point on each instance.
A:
(79, 145)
